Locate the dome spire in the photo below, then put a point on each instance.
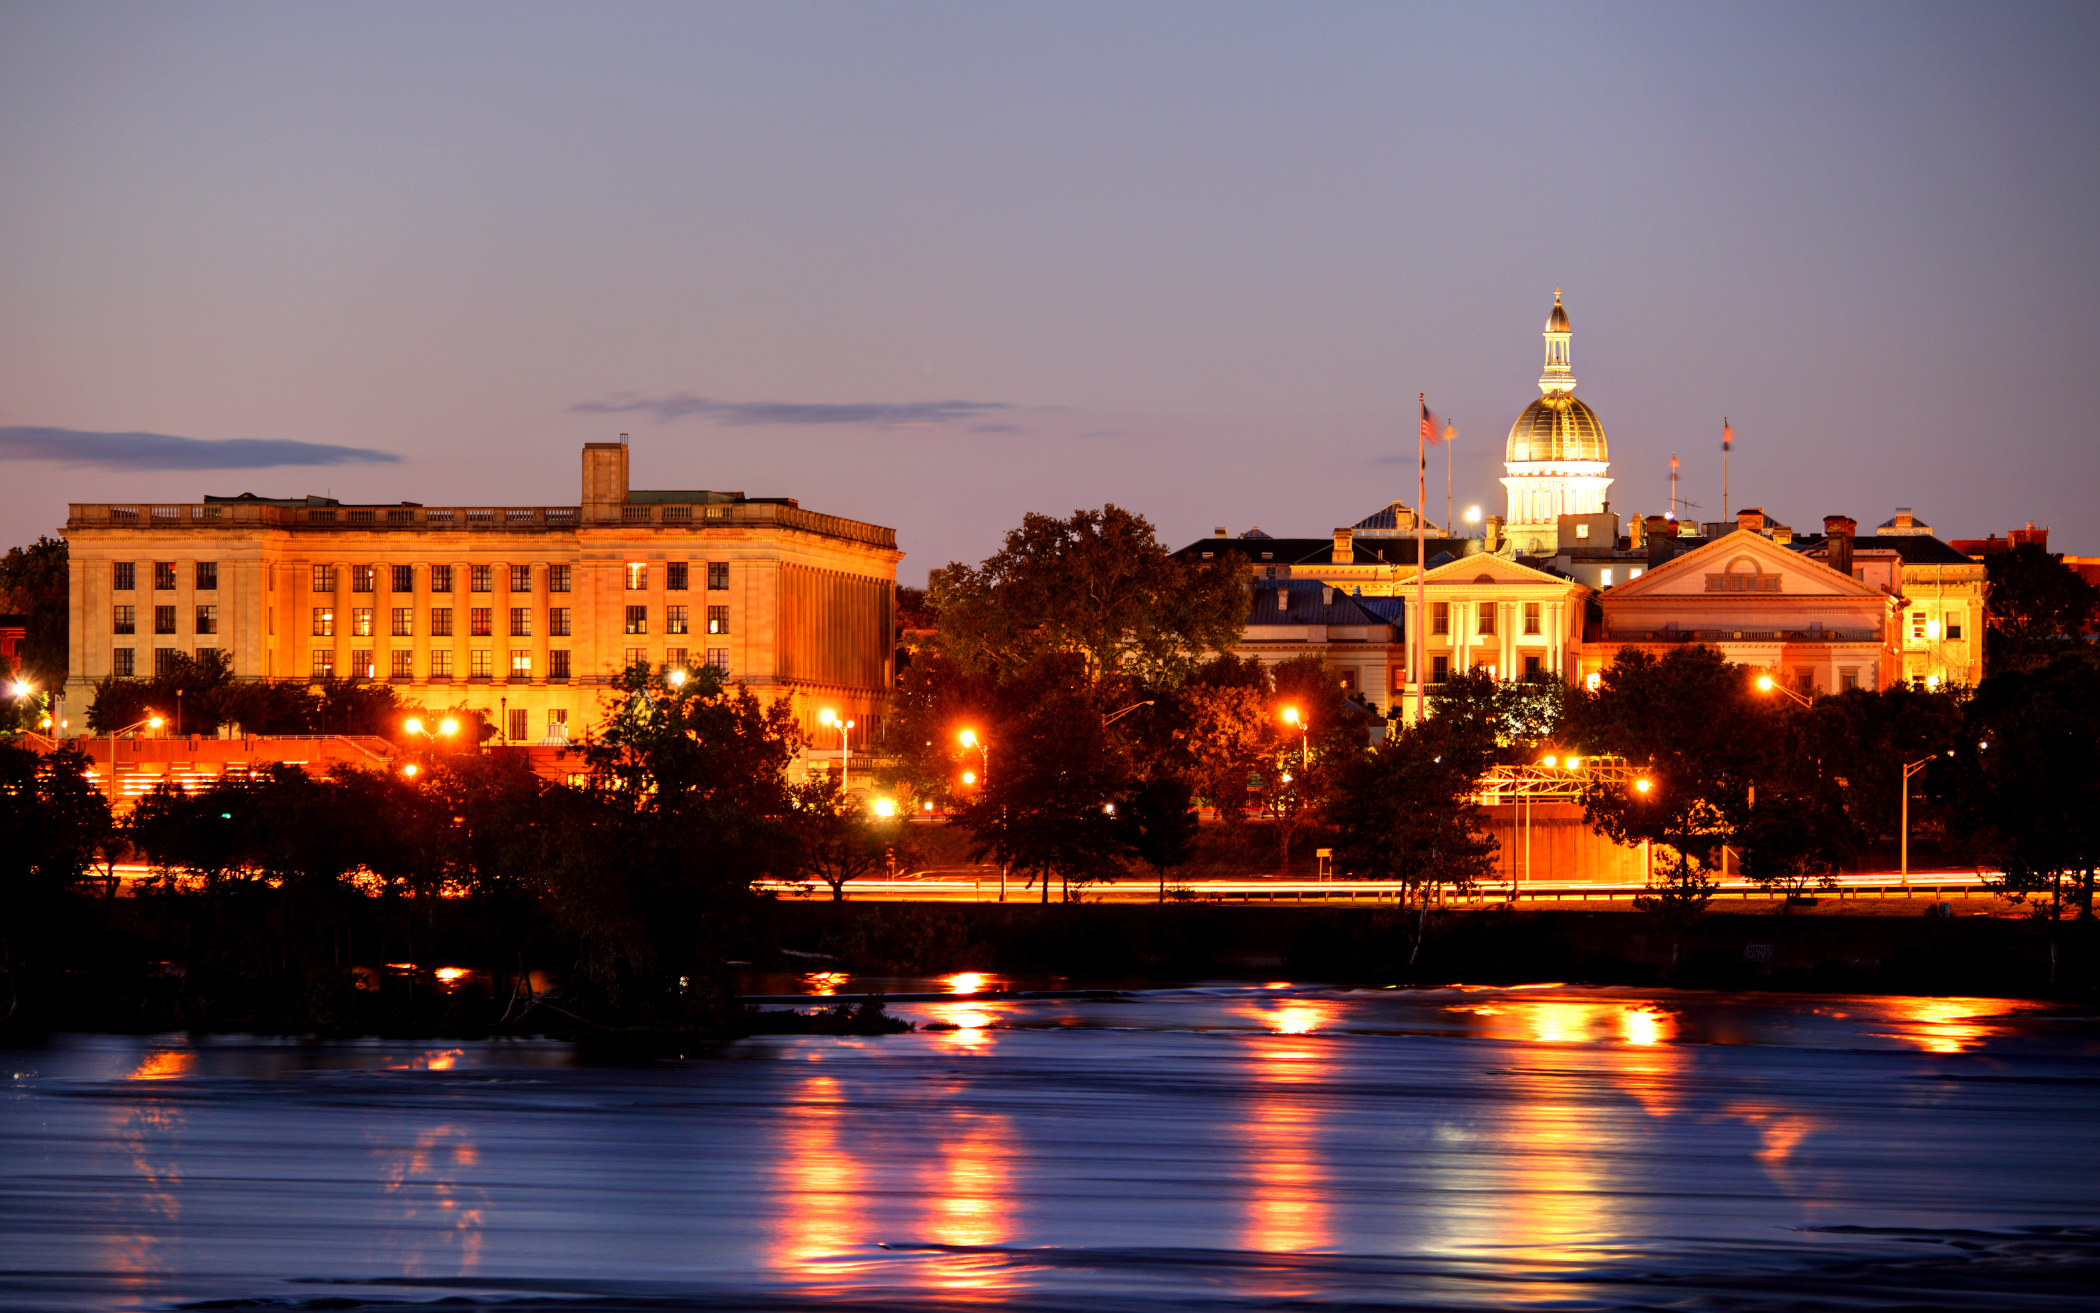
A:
(1559, 375)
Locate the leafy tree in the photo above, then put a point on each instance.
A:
(34, 584)
(1159, 824)
(1230, 737)
(2021, 784)
(838, 839)
(1046, 808)
(1405, 813)
(1099, 584)
(2038, 606)
(1789, 841)
(1491, 722)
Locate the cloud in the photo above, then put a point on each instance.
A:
(873, 414)
(162, 451)
(997, 428)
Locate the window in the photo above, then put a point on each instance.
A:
(324, 622)
(479, 578)
(404, 578)
(521, 578)
(404, 666)
(637, 619)
(557, 578)
(360, 664)
(441, 665)
(718, 576)
(441, 622)
(324, 663)
(520, 663)
(480, 664)
(207, 619)
(127, 576)
(1531, 618)
(1532, 668)
(1633, 574)
(557, 622)
(1440, 617)
(440, 578)
(163, 619)
(324, 578)
(674, 620)
(1604, 578)
(1348, 678)
(675, 576)
(1582, 531)
(1953, 626)
(127, 620)
(164, 576)
(361, 622)
(478, 621)
(557, 722)
(637, 576)
(404, 621)
(517, 726)
(206, 655)
(164, 660)
(207, 576)
(362, 577)
(718, 617)
(675, 658)
(1848, 678)
(1917, 625)
(558, 664)
(521, 622)
(124, 662)
(1439, 669)
(634, 656)
(718, 657)
(1486, 613)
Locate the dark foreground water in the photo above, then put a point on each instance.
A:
(1186, 1150)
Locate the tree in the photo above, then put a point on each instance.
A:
(1229, 737)
(51, 822)
(34, 584)
(838, 839)
(1099, 584)
(1405, 813)
(1159, 824)
(2021, 784)
(1789, 840)
(2038, 606)
(1047, 807)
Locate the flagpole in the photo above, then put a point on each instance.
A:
(1727, 441)
(1422, 620)
(1447, 480)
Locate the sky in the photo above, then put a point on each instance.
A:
(935, 266)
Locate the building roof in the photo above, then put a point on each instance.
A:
(1385, 522)
(1320, 551)
(1311, 603)
(1915, 549)
(1557, 426)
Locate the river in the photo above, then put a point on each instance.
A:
(1230, 1147)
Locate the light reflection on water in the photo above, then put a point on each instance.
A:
(1229, 1146)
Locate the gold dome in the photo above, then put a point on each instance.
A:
(1556, 427)
(1557, 322)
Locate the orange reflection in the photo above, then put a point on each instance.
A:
(973, 1022)
(824, 982)
(821, 1212)
(437, 1210)
(1648, 1065)
(1296, 1016)
(1947, 1025)
(165, 1064)
(966, 982)
(1288, 1210)
(1779, 1132)
(968, 1199)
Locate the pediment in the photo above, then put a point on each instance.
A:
(1484, 570)
(1743, 564)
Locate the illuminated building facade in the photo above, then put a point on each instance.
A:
(524, 612)
(1556, 456)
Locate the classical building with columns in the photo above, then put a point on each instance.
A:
(524, 612)
(1556, 456)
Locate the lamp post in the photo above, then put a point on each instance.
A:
(1766, 683)
(1909, 769)
(968, 738)
(830, 717)
(1292, 718)
(152, 721)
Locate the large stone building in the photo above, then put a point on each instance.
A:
(524, 612)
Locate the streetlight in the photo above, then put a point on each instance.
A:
(968, 738)
(885, 808)
(1909, 769)
(448, 726)
(21, 688)
(830, 717)
(1472, 515)
(677, 678)
(1291, 717)
(1766, 684)
(152, 721)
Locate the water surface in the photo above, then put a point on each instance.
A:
(1231, 1148)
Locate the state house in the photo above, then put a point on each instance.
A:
(518, 611)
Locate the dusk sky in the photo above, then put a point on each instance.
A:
(934, 266)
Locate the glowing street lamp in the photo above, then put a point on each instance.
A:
(829, 717)
(448, 726)
(152, 721)
(1767, 684)
(968, 738)
(1291, 717)
(21, 688)
(677, 679)
(1910, 769)
(1472, 515)
(885, 808)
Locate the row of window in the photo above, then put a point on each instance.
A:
(1924, 626)
(1440, 670)
(126, 662)
(1483, 617)
(481, 663)
(480, 621)
(126, 576)
(126, 620)
(677, 576)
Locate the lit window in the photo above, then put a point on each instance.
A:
(521, 622)
(1605, 578)
(324, 663)
(557, 578)
(717, 619)
(440, 578)
(520, 664)
(324, 578)
(481, 578)
(361, 622)
(404, 664)
(1582, 531)
(521, 578)
(558, 664)
(1633, 574)
(478, 620)
(164, 576)
(674, 620)
(360, 665)
(441, 665)
(637, 619)
(361, 578)
(637, 577)
(480, 664)
(1531, 617)
(324, 622)
(207, 619)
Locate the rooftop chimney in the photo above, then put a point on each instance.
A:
(1751, 519)
(1661, 539)
(1494, 534)
(604, 480)
(1344, 546)
(1219, 532)
(1840, 529)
